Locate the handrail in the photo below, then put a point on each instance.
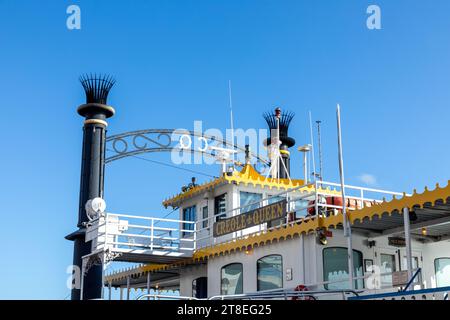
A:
(148, 218)
(282, 294)
(165, 297)
(400, 293)
(364, 188)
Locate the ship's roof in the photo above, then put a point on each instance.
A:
(247, 176)
(431, 209)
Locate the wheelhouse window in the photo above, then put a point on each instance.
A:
(189, 214)
(270, 272)
(220, 206)
(272, 200)
(335, 268)
(248, 199)
(301, 207)
(232, 279)
(442, 270)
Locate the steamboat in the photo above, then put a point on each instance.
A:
(253, 235)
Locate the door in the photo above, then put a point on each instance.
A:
(200, 288)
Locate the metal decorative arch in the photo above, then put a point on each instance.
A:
(133, 143)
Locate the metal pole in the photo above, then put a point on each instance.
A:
(346, 222)
(148, 285)
(303, 259)
(278, 149)
(319, 139)
(109, 295)
(408, 242)
(231, 122)
(305, 167)
(102, 296)
(83, 267)
(128, 287)
(121, 293)
(312, 146)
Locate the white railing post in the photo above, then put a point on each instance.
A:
(362, 198)
(288, 208)
(195, 235)
(105, 242)
(151, 233)
(316, 201)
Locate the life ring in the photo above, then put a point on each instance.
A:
(302, 288)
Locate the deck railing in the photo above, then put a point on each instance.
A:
(139, 234)
(147, 235)
(303, 202)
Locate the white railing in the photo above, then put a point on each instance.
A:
(147, 235)
(300, 206)
(138, 234)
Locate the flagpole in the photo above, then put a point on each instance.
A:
(346, 222)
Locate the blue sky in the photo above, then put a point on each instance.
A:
(172, 61)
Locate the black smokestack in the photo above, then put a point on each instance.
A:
(95, 113)
(285, 119)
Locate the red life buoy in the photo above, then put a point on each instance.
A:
(302, 288)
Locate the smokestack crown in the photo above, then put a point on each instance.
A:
(97, 87)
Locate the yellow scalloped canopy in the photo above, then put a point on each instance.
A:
(247, 176)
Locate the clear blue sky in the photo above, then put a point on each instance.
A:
(172, 61)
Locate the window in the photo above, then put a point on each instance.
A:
(387, 266)
(415, 263)
(220, 206)
(199, 288)
(442, 270)
(248, 199)
(205, 217)
(415, 266)
(231, 279)
(270, 272)
(272, 200)
(335, 268)
(301, 207)
(189, 214)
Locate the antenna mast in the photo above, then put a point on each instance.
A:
(320, 150)
(231, 120)
(313, 151)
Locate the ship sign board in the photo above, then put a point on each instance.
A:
(250, 219)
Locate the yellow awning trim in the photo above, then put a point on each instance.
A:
(247, 176)
(416, 200)
(174, 201)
